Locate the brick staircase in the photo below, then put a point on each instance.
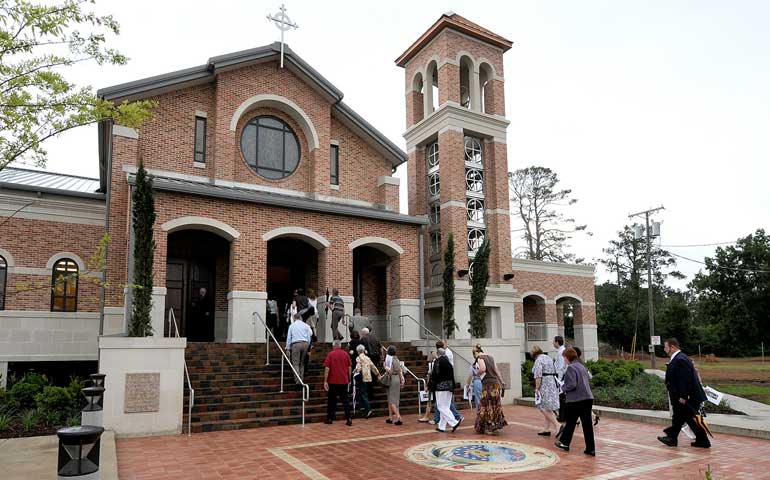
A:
(234, 388)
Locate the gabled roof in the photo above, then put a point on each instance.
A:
(12, 178)
(459, 23)
(201, 74)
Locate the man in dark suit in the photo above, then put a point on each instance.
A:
(686, 394)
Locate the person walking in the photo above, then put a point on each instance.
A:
(373, 346)
(337, 368)
(686, 394)
(338, 313)
(427, 417)
(312, 319)
(297, 343)
(594, 413)
(546, 390)
(561, 367)
(474, 382)
(443, 379)
(450, 356)
(363, 376)
(272, 315)
(393, 368)
(490, 417)
(579, 401)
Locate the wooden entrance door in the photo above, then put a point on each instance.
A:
(194, 310)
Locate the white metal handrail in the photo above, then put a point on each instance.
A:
(536, 331)
(419, 390)
(305, 387)
(454, 352)
(172, 321)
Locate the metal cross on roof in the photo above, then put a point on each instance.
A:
(284, 23)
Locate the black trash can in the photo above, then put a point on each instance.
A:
(93, 414)
(79, 452)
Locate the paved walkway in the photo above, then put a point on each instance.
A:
(37, 457)
(373, 450)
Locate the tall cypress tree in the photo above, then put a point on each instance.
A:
(144, 253)
(448, 292)
(479, 282)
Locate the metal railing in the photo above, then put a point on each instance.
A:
(172, 321)
(536, 332)
(427, 330)
(420, 381)
(269, 335)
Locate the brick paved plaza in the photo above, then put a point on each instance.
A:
(373, 450)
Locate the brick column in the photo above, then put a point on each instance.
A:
(247, 290)
(448, 84)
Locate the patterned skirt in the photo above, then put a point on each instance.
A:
(490, 417)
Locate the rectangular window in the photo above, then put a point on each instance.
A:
(200, 139)
(334, 164)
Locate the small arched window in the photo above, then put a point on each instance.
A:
(475, 210)
(434, 186)
(435, 213)
(270, 147)
(475, 239)
(64, 286)
(473, 151)
(436, 275)
(435, 243)
(3, 280)
(432, 154)
(474, 180)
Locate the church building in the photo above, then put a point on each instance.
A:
(266, 181)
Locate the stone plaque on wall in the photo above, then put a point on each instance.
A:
(505, 372)
(142, 392)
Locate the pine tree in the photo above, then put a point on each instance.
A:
(448, 292)
(144, 253)
(479, 282)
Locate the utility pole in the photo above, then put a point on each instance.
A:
(651, 313)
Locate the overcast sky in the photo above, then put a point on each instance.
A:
(633, 104)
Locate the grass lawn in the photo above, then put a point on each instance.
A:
(758, 393)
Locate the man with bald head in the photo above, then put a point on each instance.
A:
(373, 346)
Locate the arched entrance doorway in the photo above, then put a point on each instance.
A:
(292, 263)
(197, 273)
(568, 314)
(534, 318)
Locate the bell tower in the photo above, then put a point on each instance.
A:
(458, 166)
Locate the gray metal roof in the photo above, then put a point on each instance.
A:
(268, 198)
(41, 181)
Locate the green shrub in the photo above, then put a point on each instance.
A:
(22, 393)
(5, 421)
(527, 379)
(29, 419)
(75, 388)
(73, 420)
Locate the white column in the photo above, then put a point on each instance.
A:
(427, 97)
(241, 326)
(475, 91)
(462, 317)
(587, 339)
(3, 375)
(409, 329)
(158, 312)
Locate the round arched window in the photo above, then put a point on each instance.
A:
(476, 210)
(270, 147)
(435, 213)
(474, 180)
(473, 152)
(435, 243)
(475, 238)
(436, 275)
(433, 155)
(434, 186)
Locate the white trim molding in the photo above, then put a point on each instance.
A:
(72, 256)
(534, 293)
(388, 180)
(315, 239)
(285, 105)
(386, 246)
(568, 295)
(9, 261)
(538, 266)
(201, 223)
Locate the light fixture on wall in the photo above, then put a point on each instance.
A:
(508, 276)
(462, 273)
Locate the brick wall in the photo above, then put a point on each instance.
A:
(32, 243)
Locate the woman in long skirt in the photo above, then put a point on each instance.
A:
(490, 418)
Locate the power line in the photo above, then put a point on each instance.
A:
(698, 245)
(720, 267)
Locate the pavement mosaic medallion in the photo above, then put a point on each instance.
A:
(481, 456)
